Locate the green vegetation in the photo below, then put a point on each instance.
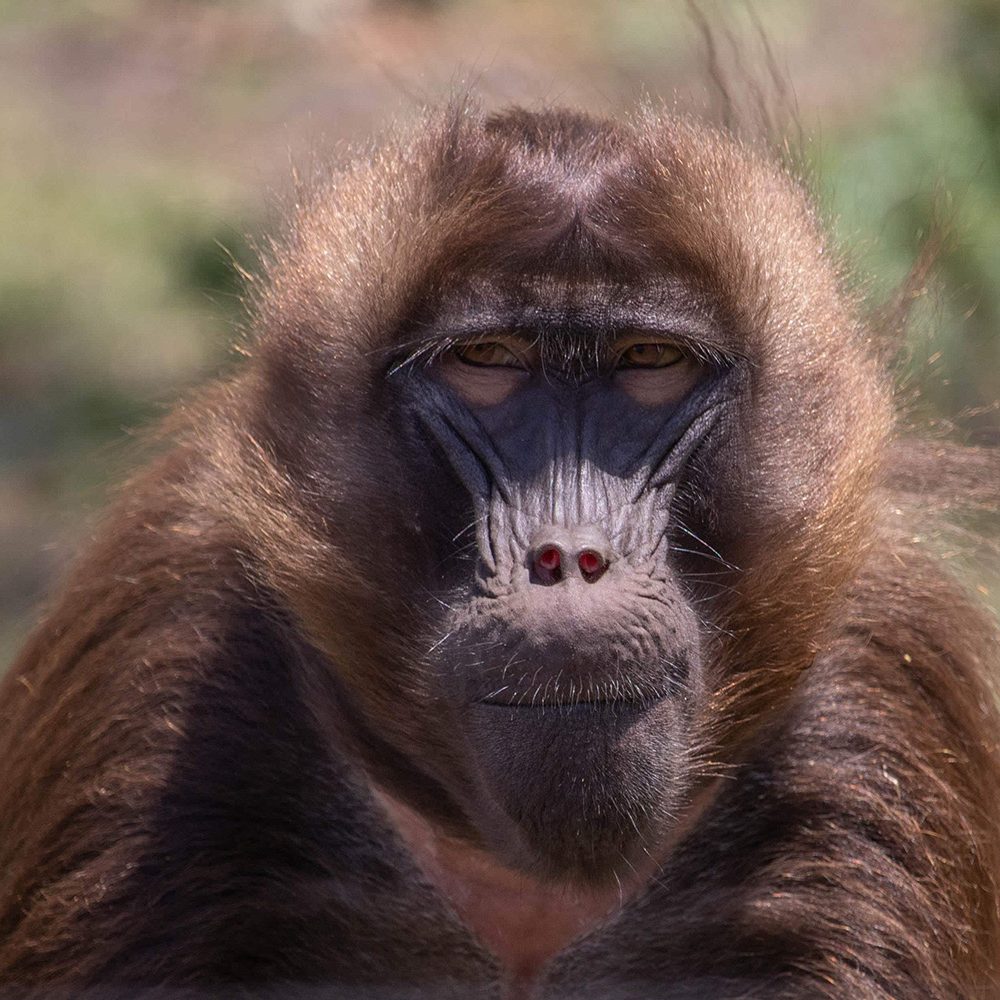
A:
(929, 157)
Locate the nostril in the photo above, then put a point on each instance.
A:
(560, 554)
(549, 559)
(592, 564)
(547, 564)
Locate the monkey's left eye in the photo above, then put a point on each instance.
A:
(487, 354)
(654, 372)
(649, 355)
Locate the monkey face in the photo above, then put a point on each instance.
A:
(583, 439)
(571, 660)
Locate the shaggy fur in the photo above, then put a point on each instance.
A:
(190, 738)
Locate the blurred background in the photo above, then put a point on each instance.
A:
(144, 144)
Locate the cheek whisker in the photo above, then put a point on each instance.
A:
(709, 550)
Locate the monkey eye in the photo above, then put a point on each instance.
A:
(651, 354)
(489, 354)
(486, 371)
(654, 372)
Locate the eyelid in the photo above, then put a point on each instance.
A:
(517, 349)
(633, 337)
(625, 344)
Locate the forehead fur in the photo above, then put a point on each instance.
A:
(465, 197)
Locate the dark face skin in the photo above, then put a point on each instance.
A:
(571, 659)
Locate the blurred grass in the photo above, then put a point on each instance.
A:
(139, 142)
(116, 291)
(930, 156)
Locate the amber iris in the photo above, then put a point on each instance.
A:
(651, 355)
(488, 354)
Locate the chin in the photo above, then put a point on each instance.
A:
(575, 792)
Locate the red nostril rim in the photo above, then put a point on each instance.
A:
(549, 559)
(590, 562)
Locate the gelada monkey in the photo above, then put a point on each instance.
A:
(536, 613)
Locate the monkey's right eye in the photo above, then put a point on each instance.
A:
(487, 354)
(485, 372)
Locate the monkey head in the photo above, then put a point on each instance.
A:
(566, 466)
